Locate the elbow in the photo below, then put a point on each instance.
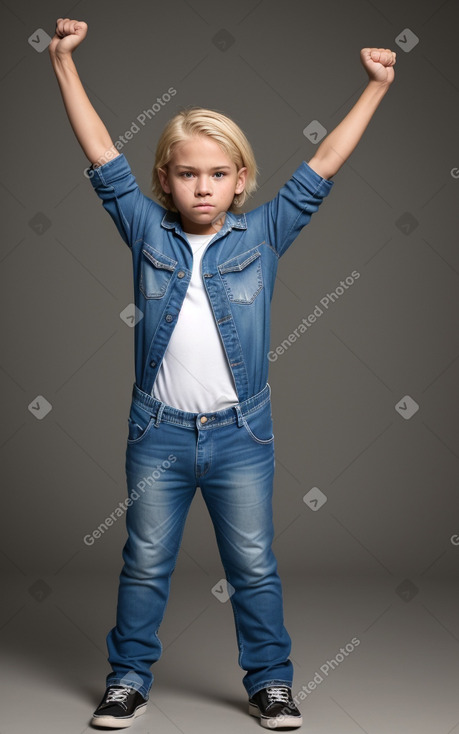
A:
(322, 167)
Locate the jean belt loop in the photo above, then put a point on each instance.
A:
(159, 414)
(240, 420)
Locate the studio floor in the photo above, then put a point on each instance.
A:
(398, 674)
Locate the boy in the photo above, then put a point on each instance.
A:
(200, 414)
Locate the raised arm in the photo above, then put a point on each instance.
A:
(338, 145)
(89, 129)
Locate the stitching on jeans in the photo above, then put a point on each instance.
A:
(191, 423)
(139, 438)
(258, 440)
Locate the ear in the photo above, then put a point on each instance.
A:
(241, 179)
(163, 180)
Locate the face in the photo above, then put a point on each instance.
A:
(202, 181)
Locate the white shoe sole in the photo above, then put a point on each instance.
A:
(114, 722)
(286, 722)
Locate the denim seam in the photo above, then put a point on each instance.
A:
(262, 441)
(237, 625)
(256, 407)
(191, 423)
(159, 415)
(189, 426)
(131, 441)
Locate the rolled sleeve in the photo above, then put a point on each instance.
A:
(292, 208)
(117, 187)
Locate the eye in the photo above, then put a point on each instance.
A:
(189, 174)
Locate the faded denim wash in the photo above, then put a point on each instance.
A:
(228, 454)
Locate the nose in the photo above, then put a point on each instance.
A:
(203, 186)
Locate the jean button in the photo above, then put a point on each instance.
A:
(169, 318)
(203, 419)
(180, 274)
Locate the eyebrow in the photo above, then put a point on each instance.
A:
(192, 168)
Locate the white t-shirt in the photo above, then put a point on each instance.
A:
(195, 375)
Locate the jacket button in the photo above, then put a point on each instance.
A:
(180, 274)
(203, 419)
(152, 363)
(169, 318)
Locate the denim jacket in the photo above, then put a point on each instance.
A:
(238, 267)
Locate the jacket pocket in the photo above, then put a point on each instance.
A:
(156, 271)
(242, 276)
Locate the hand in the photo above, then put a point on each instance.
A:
(68, 35)
(379, 64)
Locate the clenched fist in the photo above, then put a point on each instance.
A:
(379, 64)
(68, 35)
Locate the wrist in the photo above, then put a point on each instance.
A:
(62, 63)
(375, 84)
(60, 57)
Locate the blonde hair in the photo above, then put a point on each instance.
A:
(229, 136)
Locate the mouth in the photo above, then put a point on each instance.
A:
(204, 207)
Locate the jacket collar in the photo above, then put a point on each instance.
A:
(171, 220)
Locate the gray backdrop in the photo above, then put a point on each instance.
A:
(365, 402)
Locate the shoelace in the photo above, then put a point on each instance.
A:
(277, 694)
(118, 695)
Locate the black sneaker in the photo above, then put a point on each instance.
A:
(119, 707)
(275, 708)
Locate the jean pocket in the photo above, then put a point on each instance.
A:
(259, 424)
(242, 276)
(156, 270)
(139, 423)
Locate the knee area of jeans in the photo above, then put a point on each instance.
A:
(147, 564)
(251, 570)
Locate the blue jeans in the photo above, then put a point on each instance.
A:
(229, 455)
